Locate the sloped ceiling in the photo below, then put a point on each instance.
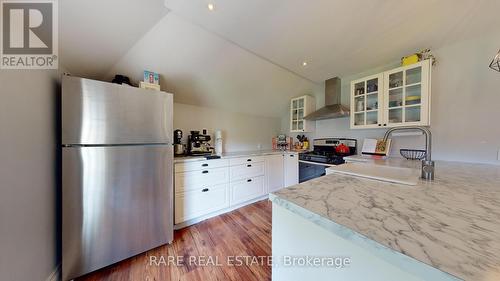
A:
(95, 34)
(246, 56)
(340, 37)
(201, 68)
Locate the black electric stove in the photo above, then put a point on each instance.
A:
(312, 163)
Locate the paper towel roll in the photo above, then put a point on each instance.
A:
(218, 134)
(218, 142)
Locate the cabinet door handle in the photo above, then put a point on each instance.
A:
(249, 180)
(204, 172)
(205, 190)
(249, 160)
(249, 165)
(380, 125)
(204, 165)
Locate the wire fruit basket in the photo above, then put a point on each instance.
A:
(413, 154)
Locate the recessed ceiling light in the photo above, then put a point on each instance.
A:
(211, 6)
(304, 63)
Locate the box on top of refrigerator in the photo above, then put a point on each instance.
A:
(151, 77)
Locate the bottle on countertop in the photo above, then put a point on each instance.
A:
(218, 142)
(305, 144)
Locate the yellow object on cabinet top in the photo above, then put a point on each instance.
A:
(409, 60)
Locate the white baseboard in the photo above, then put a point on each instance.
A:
(56, 274)
(216, 213)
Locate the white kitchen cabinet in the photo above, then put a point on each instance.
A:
(201, 201)
(299, 108)
(247, 176)
(401, 97)
(275, 172)
(201, 165)
(407, 95)
(185, 181)
(247, 189)
(291, 164)
(207, 188)
(240, 172)
(201, 188)
(366, 102)
(246, 160)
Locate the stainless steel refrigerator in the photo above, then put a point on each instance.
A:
(117, 173)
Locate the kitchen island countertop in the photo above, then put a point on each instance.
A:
(451, 223)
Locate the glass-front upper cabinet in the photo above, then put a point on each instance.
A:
(299, 108)
(402, 98)
(407, 95)
(366, 101)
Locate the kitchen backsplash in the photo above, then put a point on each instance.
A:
(340, 128)
(240, 132)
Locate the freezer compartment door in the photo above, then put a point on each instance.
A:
(117, 203)
(95, 112)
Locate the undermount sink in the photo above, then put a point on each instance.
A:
(399, 175)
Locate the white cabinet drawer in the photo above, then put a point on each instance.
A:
(247, 189)
(200, 202)
(196, 179)
(246, 160)
(201, 165)
(246, 171)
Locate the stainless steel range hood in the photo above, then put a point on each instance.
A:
(333, 107)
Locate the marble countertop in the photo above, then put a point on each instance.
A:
(392, 161)
(229, 155)
(451, 223)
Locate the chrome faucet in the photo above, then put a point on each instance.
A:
(427, 164)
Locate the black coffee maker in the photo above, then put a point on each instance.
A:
(199, 144)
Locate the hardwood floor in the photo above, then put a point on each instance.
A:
(245, 232)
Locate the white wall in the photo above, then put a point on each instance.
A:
(465, 104)
(241, 132)
(89, 48)
(204, 69)
(227, 86)
(466, 101)
(27, 174)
